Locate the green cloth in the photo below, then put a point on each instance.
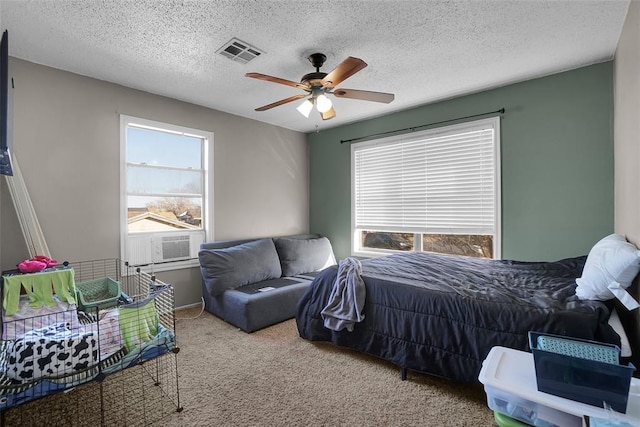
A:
(11, 295)
(138, 323)
(40, 288)
(65, 286)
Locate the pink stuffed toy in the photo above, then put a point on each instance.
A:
(49, 261)
(29, 266)
(36, 264)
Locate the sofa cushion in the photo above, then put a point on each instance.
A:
(239, 265)
(298, 256)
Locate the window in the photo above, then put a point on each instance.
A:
(437, 190)
(165, 186)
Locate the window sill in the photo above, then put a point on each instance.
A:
(375, 254)
(169, 266)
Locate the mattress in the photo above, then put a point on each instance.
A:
(442, 314)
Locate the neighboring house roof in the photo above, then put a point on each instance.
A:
(132, 212)
(152, 221)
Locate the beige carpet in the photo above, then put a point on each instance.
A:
(268, 378)
(272, 377)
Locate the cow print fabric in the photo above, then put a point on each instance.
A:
(49, 352)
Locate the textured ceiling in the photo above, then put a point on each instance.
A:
(422, 51)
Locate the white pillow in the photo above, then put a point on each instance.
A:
(611, 266)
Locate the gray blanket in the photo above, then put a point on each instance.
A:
(346, 301)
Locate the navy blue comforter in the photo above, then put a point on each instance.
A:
(441, 314)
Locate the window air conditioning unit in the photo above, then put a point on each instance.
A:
(158, 248)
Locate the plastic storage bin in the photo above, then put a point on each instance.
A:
(509, 375)
(569, 370)
(528, 411)
(98, 293)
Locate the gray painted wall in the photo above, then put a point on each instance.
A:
(66, 138)
(557, 162)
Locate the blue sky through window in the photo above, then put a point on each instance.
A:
(148, 147)
(163, 149)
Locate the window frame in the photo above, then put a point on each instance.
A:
(207, 202)
(493, 122)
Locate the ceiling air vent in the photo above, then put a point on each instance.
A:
(239, 51)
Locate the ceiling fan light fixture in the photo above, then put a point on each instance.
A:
(323, 104)
(305, 107)
(317, 85)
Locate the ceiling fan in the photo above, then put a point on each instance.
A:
(318, 84)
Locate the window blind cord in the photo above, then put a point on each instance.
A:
(414, 128)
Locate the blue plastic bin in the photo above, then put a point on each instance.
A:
(581, 379)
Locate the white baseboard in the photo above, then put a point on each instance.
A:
(196, 304)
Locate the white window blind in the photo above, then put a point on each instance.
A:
(441, 181)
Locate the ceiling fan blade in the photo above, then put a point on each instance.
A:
(328, 114)
(343, 71)
(364, 95)
(276, 80)
(281, 102)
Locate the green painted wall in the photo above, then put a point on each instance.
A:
(556, 159)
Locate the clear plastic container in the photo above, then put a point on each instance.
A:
(527, 411)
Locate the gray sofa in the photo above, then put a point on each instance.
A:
(255, 283)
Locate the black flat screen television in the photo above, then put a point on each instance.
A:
(5, 121)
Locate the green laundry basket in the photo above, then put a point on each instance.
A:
(101, 293)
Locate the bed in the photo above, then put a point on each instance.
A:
(441, 315)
